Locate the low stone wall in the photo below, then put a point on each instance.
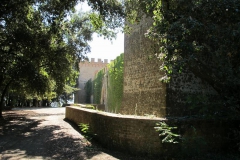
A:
(137, 136)
(125, 133)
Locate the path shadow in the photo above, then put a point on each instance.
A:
(96, 148)
(24, 137)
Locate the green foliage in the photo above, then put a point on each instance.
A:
(110, 13)
(166, 133)
(77, 33)
(90, 107)
(101, 28)
(114, 75)
(185, 146)
(89, 89)
(86, 131)
(40, 47)
(67, 94)
(97, 87)
(84, 128)
(197, 35)
(34, 58)
(115, 84)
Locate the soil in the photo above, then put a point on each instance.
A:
(43, 133)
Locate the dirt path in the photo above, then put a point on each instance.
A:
(42, 133)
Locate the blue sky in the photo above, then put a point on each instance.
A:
(103, 48)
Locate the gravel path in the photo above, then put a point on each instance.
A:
(42, 133)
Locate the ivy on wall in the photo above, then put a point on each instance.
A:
(115, 84)
(97, 87)
(88, 89)
(114, 88)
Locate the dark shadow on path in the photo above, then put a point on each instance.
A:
(96, 148)
(22, 137)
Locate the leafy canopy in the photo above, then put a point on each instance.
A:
(39, 45)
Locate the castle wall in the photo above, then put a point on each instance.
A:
(136, 134)
(143, 92)
(88, 69)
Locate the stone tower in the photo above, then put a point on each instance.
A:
(87, 72)
(143, 92)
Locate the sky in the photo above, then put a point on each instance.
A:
(103, 48)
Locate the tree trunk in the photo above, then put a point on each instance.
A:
(2, 97)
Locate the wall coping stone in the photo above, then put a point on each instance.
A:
(118, 115)
(136, 134)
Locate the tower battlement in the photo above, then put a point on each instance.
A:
(98, 60)
(95, 64)
(88, 70)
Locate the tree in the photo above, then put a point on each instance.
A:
(36, 47)
(24, 47)
(201, 36)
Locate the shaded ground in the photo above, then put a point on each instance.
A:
(42, 133)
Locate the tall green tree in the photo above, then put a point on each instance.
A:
(38, 47)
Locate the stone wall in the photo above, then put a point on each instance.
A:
(88, 69)
(125, 133)
(143, 92)
(136, 134)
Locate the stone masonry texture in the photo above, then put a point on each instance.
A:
(88, 70)
(143, 92)
(136, 134)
